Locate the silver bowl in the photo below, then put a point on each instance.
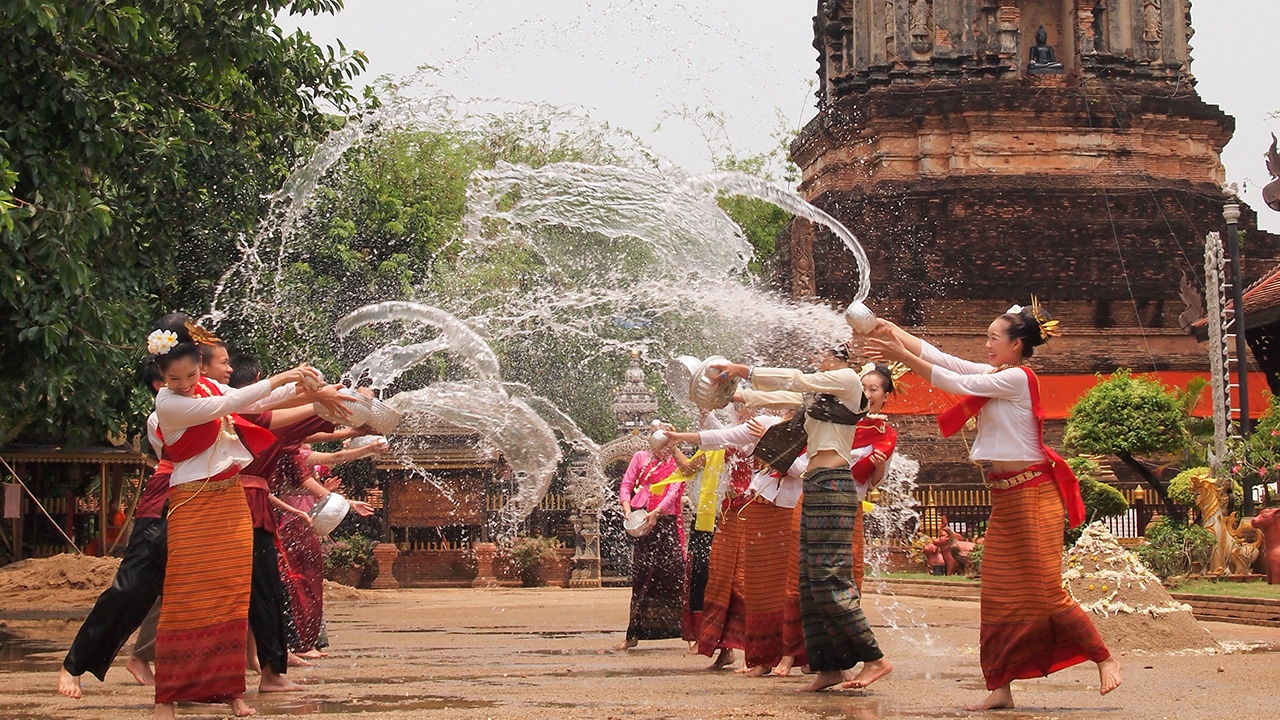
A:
(707, 389)
(634, 523)
(329, 513)
(860, 318)
(679, 377)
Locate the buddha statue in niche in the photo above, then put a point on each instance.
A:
(1043, 61)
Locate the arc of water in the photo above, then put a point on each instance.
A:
(460, 338)
(737, 183)
(384, 365)
(523, 437)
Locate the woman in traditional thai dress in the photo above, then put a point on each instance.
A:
(874, 441)
(658, 566)
(297, 482)
(200, 641)
(1031, 626)
(837, 634)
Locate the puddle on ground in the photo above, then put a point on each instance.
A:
(368, 703)
(19, 654)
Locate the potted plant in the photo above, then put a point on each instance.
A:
(347, 558)
(531, 555)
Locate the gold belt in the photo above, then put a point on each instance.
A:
(218, 485)
(1015, 481)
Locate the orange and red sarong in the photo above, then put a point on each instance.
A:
(200, 642)
(724, 619)
(753, 592)
(1031, 626)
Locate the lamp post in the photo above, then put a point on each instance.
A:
(1231, 213)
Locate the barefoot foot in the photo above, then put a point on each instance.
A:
(69, 684)
(753, 671)
(241, 709)
(870, 673)
(314, 654)
(140, 670)
(1001, 697)
(626, 644)
(824, 680)
(1108, 676)
(783, 669)
(295, 661)
(273, 681)
(723, 660)
(167, 711)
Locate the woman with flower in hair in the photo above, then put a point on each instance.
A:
(1031, 626)
(200, 641)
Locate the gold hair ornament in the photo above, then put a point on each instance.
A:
(200, 336)
(1048, 328)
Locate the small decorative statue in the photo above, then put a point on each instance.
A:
(1043, 61)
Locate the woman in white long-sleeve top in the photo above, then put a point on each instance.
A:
(837, 635)
(1030, 624)
(200, 641)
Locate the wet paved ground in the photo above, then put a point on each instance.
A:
(515, 653)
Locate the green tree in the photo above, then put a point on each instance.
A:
(138, 139)
(1131, 418)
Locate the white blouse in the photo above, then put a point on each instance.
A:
(1007, 426)
(845, 384)
(175, 413)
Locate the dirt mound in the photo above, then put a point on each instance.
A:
(60, 582)
(1126, 601)
(338, 591)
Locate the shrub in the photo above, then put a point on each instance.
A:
(1171, 547)
(352, 551)
(530, 554)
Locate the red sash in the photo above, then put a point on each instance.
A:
(953, 418)
(876, 433)
(198, 438)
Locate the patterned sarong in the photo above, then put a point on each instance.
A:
(657, 583)
(1030, 624)
(792, 628)
(772, 549)
(837, 635)
(302, 571)
(724, 610)
(200, 642)
(859, 551)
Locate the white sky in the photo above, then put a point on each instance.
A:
(638, 64)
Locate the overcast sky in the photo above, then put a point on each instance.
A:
(643, 64)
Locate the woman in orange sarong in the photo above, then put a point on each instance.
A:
(1031, 626)
(200, 641)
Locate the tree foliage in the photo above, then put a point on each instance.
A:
(1129, 417)
(137, 141)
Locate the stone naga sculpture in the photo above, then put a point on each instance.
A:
(1267, 523)
(956, 550)
(1232, 552)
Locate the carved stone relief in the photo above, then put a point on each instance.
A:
(890, 31)
(1152, 28)
(921, 26)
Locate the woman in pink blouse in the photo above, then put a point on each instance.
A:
(657, 568)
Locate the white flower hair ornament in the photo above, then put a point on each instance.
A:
(160, 342)
(1014, 309)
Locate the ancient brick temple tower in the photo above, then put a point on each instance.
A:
(975, 177)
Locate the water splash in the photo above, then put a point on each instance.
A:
(525, 440)
(736, 183)
(455, 336)
(891, 526)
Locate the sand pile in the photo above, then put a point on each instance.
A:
(1125, 600)
(338, 591)
(60, 582)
